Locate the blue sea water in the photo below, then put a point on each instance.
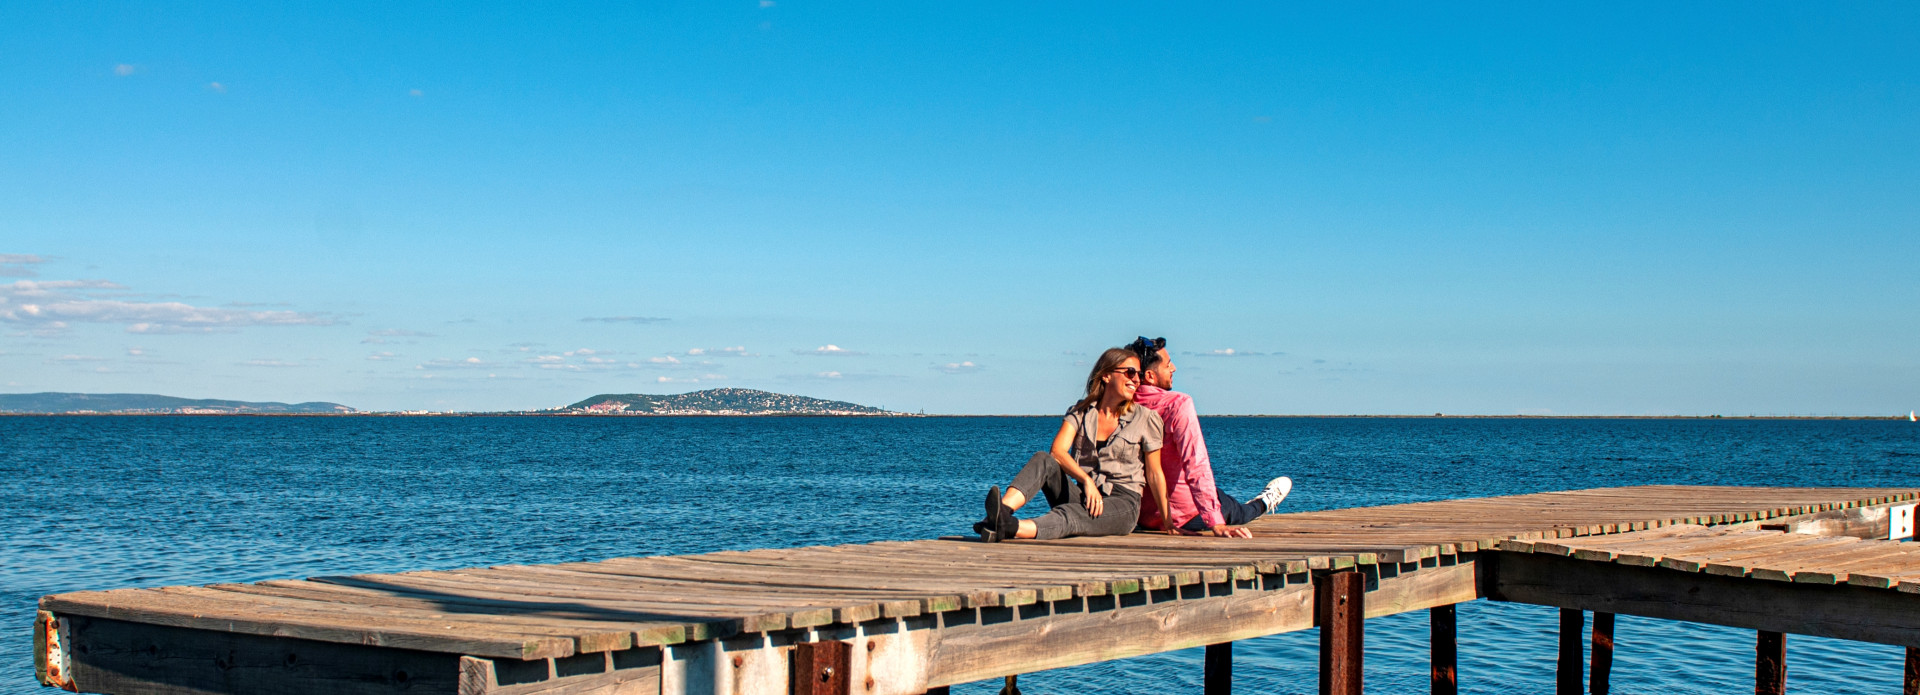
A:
(106, 502)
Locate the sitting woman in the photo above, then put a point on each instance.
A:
(1107, 449)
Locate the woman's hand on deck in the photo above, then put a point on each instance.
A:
(1225, 531)
(1095, 503)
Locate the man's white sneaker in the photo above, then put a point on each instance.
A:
(1276, 492)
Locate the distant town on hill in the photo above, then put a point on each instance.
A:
(716, 402)
(149, 404)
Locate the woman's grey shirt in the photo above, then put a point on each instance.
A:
(1123, 461)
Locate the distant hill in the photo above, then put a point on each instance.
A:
(149, 404)
(716, 402)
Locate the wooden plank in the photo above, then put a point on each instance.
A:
(114, 656)
(1688, 538)
(477, 677)
(977, 652)
(492, 612)
(1839, 611)
(807, 608)
(933, 599)
(1018, 575)
(969, 594)
(1738, 563)
(745, 616)
(1696, 559)
(173, 610)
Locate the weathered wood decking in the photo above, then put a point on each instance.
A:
(925, 614)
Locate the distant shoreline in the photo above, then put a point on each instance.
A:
(912, 415)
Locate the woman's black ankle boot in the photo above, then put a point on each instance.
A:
(989, 526)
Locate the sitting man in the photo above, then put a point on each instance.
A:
(1198, 505)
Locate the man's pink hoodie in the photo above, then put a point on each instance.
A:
(1190, 489)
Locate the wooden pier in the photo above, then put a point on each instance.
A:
(899, 618)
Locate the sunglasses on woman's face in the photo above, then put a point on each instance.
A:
(1130, 372)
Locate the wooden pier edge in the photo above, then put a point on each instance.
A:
(1179, 593)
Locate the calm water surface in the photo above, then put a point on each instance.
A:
(97, 503)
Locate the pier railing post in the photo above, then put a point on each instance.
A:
(1444, 649)
(1770, 664)
(1570, 675)
(1600, 675)
(1340, 605)
(1219, 675)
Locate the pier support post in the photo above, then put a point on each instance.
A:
(1600, 675)
(819, 668)
(1569, 677)
(1770, 664)
(1219, 676)
(1911, 684)
(1341, 611)
(1445, 651)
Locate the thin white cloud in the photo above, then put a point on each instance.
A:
(415, 93)
(623, 319)
(466, 363)
(54, 304)
(833, 350)
(837, 375)
(735, 351)
(957, 368)
(381, 356)
(1226, 352)
(381, 337)
(689, 379)
(663, 360)
(78, 358)
(14, 265)
(269, 363)
(125, 69)
(216, 87)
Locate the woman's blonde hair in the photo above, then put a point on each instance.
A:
(1096, 380)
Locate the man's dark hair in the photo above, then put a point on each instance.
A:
(1148, 349)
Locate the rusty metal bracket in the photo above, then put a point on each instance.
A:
(52, 663)
(820, 668)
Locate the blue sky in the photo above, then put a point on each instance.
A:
(1397, 208)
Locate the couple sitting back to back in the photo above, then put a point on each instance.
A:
(1128, 455)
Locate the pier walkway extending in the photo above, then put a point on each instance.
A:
(911, 617)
